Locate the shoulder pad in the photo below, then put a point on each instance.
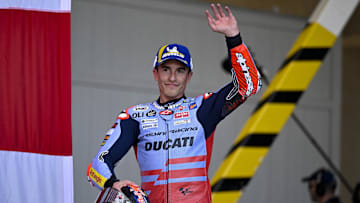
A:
(124, 115)
(207, 95)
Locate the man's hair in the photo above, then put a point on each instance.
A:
(189, 70)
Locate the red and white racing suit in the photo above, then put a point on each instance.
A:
(173, 142)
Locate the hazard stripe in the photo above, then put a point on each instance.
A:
(279, 100)
(230, 184)
(281, 97)
(307, 54)
(255, 140)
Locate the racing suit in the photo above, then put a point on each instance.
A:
(173, 141)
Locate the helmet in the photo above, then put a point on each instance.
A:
(128, 194)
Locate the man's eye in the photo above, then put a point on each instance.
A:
(181, 70)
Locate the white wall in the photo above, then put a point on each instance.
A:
(113, 46)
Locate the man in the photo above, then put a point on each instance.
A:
(172, 136)
(322, 185)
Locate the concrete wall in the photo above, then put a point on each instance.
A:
(113, 46)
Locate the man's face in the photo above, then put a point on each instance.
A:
(172, 77)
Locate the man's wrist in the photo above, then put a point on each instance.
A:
(233, 41)
(110, 182)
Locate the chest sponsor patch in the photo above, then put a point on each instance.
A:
(180, 108)
(151, 113)
(192, 106)
(151, 125)
(141, 108)
(166, 112)
(180, 122)
(179, 115)
(138, 114)
(149, 120)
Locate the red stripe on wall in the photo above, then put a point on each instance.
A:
(35, 82)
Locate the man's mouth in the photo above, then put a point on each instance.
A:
(171, 84)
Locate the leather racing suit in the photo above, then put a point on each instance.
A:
(173, 142)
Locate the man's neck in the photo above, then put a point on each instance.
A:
(167, 101)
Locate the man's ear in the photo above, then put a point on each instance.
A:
(155, 73)
(189, 76)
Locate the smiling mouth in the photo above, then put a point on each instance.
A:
(171, 85)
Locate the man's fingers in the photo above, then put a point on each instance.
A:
(228, 11)
(221, 12)
(216, 13)
(211, 20)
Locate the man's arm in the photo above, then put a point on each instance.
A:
(246, 77)
(116, 144)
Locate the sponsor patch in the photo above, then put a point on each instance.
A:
(151, 113)
(141, 108)
(184, 114)
(192, 106)
(101, 156)
(151, 125)
(138, 114)
(166, 112)
(180, 108)
(180, 122)
(96, 177)
(170, 143)
(150, 120)
(114, 126)
(109, 132)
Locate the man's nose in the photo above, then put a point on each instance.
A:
(172, 76)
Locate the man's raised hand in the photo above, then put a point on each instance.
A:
(222, 23)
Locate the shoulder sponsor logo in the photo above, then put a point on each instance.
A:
(150, 120)
(151, 113)
(180, 122)
(101, 156)
(192, 106)
(123, 115)
(104, 141)
(141, 108)
(151, 125)
(166, 112)
(114, 126)
(110, 131)
(184, 114)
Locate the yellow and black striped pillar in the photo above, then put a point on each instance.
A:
(280, 98)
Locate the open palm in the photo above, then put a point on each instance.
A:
(225, 24)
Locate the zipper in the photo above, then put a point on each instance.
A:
(167, 160)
